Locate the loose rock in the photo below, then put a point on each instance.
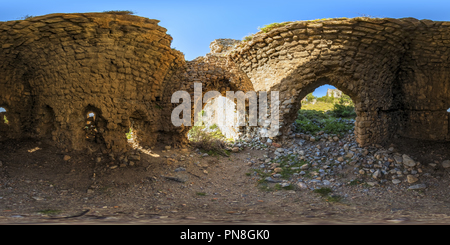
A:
(446, 164)
(411, 179)
(408, 161)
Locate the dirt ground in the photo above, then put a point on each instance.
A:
(39, 186)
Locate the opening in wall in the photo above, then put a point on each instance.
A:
(327, 110)
(216, 123)
(448, 121)
(139, 132)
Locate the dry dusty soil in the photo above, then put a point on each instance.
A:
(39, 186)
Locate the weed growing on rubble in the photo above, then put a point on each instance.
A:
(324, 191)
(211, 140)
(247, 38)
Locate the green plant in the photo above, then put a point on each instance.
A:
(310, 97)
(307, 126)
(264, 186)
(272, 26)
(247, 38)
(314, 121)
(201, 194)
(345, 111)
(333, 126)
(279, 187)
(262, 175)
(311, 115)
(5, 120)
(333, 198)
(354, 182)
(323, 191)
(213, 142)
(129, 134)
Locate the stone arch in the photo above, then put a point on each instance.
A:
(221, 87)
(217, 117)
(359, 56)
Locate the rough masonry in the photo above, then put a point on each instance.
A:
(81, 81)
(395, 70)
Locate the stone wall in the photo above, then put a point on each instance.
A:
(54, 69)
(335, 93)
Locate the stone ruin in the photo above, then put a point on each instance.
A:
(81, 81)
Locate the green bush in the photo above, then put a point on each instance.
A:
(327, 99)
(346, 111)
(307, 126)
(247, 38)
(311, 121)
(213, 142)
(336, 126)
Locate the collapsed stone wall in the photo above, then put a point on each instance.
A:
(215, 73)
(56, 70)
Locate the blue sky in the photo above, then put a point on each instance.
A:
(195, 24)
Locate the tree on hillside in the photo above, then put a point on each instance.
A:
(346, 100)
(310, 97)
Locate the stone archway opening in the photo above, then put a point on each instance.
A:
(94, 125)
(219, 121)
(3, 117)
(137, 134)
(324, 109)
(216, 121)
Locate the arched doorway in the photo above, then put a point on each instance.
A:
(326, 109)
(302, 98)
(94, 124)
(3, 117)
(217, 117)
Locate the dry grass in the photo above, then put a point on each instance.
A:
(211, 142)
